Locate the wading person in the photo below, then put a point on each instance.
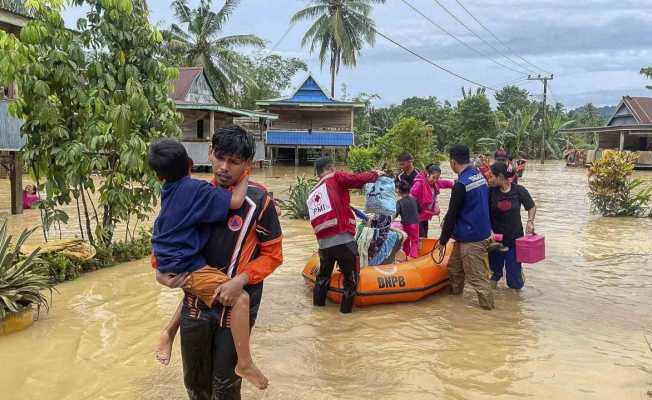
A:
(179, 236)
(246, 247)
(408, 173)
(331, 217)
(426, 191)
(467, 222)
(408, 209)
(505, 202)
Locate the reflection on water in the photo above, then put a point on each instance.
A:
(575, 331)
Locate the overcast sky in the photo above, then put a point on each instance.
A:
(595, 48)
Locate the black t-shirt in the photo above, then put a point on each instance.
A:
(409, 178)
(505, 209)
(408, 208)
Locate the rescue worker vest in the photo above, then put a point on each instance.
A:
(473, 223)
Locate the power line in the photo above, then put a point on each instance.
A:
(278, 42)
(434, 64)
(483, 54)
(456, 18)
(497, 39)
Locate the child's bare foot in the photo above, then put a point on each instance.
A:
(164, 349)
(251, 373)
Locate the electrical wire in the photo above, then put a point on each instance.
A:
(434, 64)
(498, 40)
(456, 18)
(463, 43)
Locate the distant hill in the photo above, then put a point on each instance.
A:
(606, 112)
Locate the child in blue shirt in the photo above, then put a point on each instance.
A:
(181, 232)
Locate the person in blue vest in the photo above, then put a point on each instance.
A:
(468, 223)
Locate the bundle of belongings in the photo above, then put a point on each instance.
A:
(377, 241)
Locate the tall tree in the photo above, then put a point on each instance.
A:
(340, 30)
(200, 44)
(92, 101)
(647, 72)
(269, 75)
(475, 118)
(511, 99)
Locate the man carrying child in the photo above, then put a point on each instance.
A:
(245, 246)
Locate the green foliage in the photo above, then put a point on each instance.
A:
(361, 159)
(197, 41)
(647, 72)
(296, 205)
(340, 30)
(92, 101)
(474, 118)
(612, 191)
(411, 135)
(62, 268)
(511, 99)
(21, 278)
(270, 75)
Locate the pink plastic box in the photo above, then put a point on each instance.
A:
(530, 249)
(498, 237)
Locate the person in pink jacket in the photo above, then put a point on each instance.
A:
(426, 190)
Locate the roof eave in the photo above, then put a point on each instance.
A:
(225, 110)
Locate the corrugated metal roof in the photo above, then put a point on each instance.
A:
(309, 93)
(304, 138)
(10, 138)
(226, 110)
(182, 85)
(641, 108)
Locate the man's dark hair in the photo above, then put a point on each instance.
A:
(501, 154)
(322, 164)
(432, 168)
(234, 141)
(403, 187)
(460, 153)
(169, 159)
(501, 168)
(405, 156)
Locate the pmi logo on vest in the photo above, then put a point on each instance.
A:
(319, 203)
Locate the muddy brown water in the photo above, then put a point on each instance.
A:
(575, 332)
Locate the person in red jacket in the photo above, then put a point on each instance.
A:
(334, 224)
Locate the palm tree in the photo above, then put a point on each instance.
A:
(340, 30)
(200, 44)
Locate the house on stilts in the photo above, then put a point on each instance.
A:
(11, 141)
(309, 123)
(202, 115)
(629, 129)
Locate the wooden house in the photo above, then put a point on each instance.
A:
(308, 122)
(629, 129)
(195, 99)
(11, 141)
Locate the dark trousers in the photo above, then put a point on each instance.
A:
(346, 256)
(507, 261)
(423, 229)
(208, 352)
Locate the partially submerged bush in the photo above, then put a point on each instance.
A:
(296, 205)
(613, 192)
(361, 159)
(22, 280)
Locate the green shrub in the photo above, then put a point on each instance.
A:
(296, 206)
(612, 191)
(361, 159)
(411, 135)
(62, 268)
(22, 280)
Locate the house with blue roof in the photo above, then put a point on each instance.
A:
(309, 122)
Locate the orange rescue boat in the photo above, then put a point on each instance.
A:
(392, 283)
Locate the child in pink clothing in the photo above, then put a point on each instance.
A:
(426, 190)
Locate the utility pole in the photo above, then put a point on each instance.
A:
(545, 80)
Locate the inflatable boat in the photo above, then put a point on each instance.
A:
(392, 283)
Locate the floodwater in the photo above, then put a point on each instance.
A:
(576, 331)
